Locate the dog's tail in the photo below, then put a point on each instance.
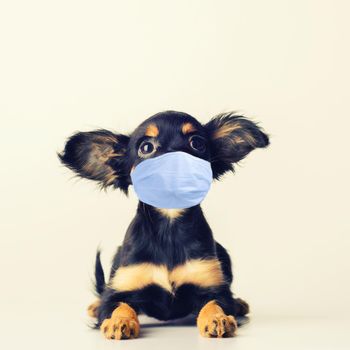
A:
(99, 274)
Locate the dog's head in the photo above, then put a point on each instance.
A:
(109, 158)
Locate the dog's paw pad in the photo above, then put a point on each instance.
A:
(120, 328)
(219, 326)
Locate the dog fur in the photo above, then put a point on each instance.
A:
(169, 265)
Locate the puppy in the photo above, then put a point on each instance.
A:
(169, 264)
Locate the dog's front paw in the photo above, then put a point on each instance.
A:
(120, 328)
(123, 323)
(219, 326)
(213, 323)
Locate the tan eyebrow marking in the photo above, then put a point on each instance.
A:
(187, 128)
(202, 273)
(152, 130)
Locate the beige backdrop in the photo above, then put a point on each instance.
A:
(79, 65)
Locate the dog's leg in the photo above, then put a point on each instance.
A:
(242, 307)
(214, 323)
(93, 308)
(123, 323)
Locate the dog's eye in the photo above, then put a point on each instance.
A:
(198, 143)
(146, 148)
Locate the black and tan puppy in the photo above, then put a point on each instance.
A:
(169, 264)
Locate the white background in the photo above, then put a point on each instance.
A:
(284, 216)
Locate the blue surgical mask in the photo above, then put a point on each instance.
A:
(174, 180)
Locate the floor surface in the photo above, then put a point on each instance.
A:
(61, 330)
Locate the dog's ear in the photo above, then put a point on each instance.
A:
(98, 155)
(232, 137)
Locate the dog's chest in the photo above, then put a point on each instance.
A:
(198, 272)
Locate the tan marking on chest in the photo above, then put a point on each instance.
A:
(202, 273)
(138, 276)
(171, 213)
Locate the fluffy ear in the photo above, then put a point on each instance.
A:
(232, 137)
(98, 155)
